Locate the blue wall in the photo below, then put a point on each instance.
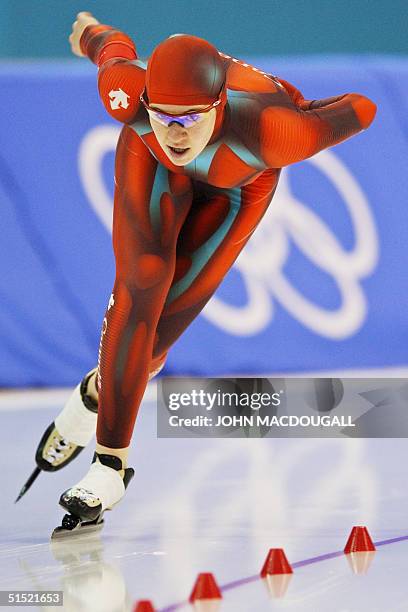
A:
(32, 28)
(321, 284)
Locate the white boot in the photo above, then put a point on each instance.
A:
(71, 431)
(101, 489)
(77, 420)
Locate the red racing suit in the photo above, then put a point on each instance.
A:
(177, 230)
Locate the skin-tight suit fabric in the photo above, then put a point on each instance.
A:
(177, 230)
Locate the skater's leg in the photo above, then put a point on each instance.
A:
(151, 205)
(155, 366)
(218, 226)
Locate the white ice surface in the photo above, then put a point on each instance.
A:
(200, 505)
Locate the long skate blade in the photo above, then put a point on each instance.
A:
(81, 529)
(28, 484)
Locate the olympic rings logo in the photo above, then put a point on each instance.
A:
(262, 262)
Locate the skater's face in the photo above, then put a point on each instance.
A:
(183, 144)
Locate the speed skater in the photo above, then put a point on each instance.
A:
(203, 142)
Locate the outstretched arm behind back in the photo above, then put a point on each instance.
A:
(291, 133)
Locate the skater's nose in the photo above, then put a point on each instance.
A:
(177, 133)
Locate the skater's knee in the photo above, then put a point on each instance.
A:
(150, 270)
(144, 272)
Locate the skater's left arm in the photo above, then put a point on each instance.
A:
(300, 128)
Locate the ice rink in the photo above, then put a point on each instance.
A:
(199, 505)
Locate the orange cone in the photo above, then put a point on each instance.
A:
(144, 606)
(205, 588)
(359, 541)
(276, 563)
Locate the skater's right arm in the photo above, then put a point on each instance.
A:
(120, 79)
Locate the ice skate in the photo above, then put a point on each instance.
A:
(101, 489)
(71, 431)
(73, 428)
(68, 435)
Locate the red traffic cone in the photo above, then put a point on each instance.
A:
(205, 588)
(276, 563)
(144, 606)
(359, 541)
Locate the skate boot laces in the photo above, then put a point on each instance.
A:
(54, 450)
(84, 495)
(58, 449)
